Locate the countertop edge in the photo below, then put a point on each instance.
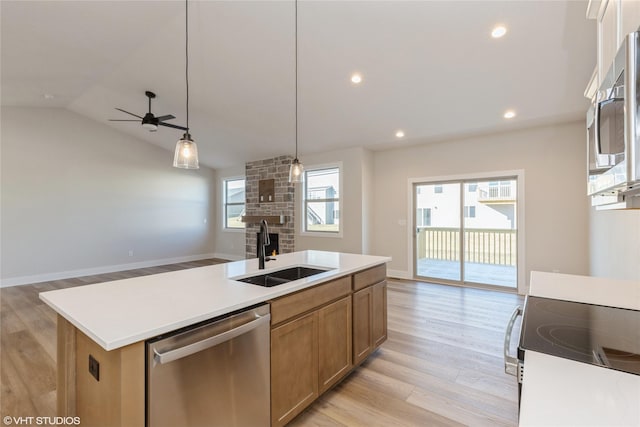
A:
(367, 261)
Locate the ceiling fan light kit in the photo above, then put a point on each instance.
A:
(186, 154)
(296, 169)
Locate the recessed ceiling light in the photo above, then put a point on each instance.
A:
(498, 31)
(356, 78)
(400, 134)
(509, 114)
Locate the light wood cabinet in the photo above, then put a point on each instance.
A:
(294, 368)
(369, 320)
(362, 323)
(334, 343)
(369, 311)
(379, 314)
(310, 346)
(113, 397)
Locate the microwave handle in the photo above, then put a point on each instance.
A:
(596, 131)
(511, 362)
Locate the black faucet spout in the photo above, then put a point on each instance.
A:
(263, 242)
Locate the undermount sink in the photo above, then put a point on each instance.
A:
(279, 277)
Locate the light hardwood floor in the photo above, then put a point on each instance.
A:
(441, 365)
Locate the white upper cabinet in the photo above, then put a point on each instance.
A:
(608, 35)
(630, 17)
(616, 19)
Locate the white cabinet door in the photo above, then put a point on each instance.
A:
(630, 16)
(608, 37)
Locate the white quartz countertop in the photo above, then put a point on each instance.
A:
(563, 392)
(122, 312)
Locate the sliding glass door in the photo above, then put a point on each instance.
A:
(466, 231)
(437, 225)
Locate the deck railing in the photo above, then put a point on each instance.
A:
(482, 245)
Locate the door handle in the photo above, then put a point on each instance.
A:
(511, 362)
(187, 350)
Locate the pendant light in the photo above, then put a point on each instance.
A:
(186, 155)
(296, 170)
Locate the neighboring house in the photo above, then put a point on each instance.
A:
(489, 205)
(327, 214)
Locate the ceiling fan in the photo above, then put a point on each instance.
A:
(149, 121)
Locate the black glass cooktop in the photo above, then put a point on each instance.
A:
(595, 334)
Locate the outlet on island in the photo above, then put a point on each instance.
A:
(94, 368)
(130, 252)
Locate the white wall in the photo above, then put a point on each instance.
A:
(77, 196)
(368, 197)
(615, 244)
(229, 244)
(354, 216)
(556, 206)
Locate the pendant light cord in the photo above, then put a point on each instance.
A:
(186, 54)
(296, 57)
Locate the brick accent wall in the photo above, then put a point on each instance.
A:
(283, 204)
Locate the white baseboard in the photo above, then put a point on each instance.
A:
(46, 277)
(229, 257)
(399, 274)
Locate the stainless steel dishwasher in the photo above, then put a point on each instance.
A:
(215, 373)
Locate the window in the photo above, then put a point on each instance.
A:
(423, 217)
(437, 188)
(469, 211)
(473, 187)
(321, 200)
(234, 199)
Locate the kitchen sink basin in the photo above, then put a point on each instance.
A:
(279, 277)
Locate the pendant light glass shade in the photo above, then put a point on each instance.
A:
(186, 155)
(295, 171)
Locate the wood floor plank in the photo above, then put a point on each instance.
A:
(440, 366)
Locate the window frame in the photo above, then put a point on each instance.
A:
(305, 201)
(225, 204)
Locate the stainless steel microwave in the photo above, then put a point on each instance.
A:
(613, 122)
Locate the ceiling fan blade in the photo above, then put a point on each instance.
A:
(167, 117)
(124, 111)
(169, 125)
(124, 120)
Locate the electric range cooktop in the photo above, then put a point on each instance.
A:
(595, 334)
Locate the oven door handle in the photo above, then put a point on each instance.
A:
(511, 362)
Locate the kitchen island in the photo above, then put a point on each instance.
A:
(111, 322)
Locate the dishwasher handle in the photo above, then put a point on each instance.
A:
(511, 362)
(187, 350)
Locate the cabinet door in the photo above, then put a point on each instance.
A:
(608, 37)
(334, 342)
(294, 368)
(379, 315)
(630, 15)
(362, 334)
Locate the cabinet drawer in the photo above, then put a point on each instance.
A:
(369, 277)
(308, 299)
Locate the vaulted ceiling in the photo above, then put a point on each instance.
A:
(429, 68)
